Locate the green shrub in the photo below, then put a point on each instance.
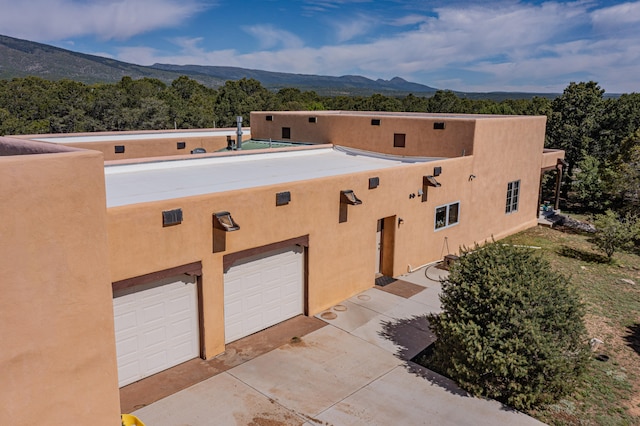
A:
(511, 328)
(613, 233)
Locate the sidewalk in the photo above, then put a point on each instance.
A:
(354, 371)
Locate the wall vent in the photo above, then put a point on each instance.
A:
(283, 198)
(171, 217)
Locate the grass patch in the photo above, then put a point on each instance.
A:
(609, 392)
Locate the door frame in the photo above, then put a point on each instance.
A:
(387, 245)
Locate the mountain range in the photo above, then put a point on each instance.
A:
(22, 58)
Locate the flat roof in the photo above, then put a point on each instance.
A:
(115, 137)
(399, 114)
(171, 179)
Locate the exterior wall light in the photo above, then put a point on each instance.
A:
(225, 222)
(428, 181)
(222, 224)
(347, 198)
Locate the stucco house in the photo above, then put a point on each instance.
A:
(124, 254)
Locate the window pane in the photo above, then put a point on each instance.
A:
(453, 213)
(441, 217)
(398, 140)
(513, 189)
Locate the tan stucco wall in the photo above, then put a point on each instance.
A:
(136, 148)
(342, 256)
(550, 158)
(355, 130)
(57, 356)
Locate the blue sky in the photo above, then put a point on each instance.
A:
(466, 45)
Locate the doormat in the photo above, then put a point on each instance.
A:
(384, 280)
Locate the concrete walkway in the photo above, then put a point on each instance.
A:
(356, 371)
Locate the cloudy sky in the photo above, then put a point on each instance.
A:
(466, 45)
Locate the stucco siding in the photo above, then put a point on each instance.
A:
(56, 318)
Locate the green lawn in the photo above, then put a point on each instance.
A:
(610, 391)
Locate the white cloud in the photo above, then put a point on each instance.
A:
(270, 37)
(408, 20)
(353, 26)
(512, 46)
(49, 20)
(620, 14)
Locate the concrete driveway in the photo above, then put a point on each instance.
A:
(355, 371)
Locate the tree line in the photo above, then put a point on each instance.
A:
(601, 136)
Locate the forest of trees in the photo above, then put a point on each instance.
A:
(601, 136)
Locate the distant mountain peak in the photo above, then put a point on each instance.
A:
(21, 58)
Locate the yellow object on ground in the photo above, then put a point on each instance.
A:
(130, 420)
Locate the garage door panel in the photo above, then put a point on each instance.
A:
(262, 291)
(128, 371)
(180, 329)
(272, 295)
(155, 362)
(251, 283)
(126, 347)
(125, 321)
(153, 313)
(179, 306)
(154, 337)
(156, 327)
(273, 314)
(272, 275)
(181, 350)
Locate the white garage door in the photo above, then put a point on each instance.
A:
(263, 290)
(156, 327)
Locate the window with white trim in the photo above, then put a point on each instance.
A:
(513, 195)
(447, 215)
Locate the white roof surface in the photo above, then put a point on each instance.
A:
(132, 137)
(165, 180)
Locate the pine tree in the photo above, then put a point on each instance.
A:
(511, 328)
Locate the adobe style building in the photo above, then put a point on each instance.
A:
(115, 270)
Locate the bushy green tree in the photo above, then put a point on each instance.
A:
(588, 184)
(614, 233)
(623, 186)
(239, 98)
(511, 328)
(576, 120)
